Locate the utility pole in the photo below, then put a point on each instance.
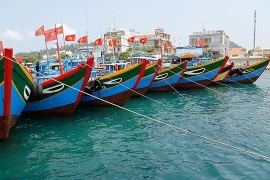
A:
(132, 33)
(255, 14)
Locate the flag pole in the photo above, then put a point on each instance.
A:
(63, 37)
(58, 53)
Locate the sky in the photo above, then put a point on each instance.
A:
(20, 19)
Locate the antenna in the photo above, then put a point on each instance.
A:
(86, 26)
(255, 14)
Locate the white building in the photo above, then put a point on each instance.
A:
(217, 41)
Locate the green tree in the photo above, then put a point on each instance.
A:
(63, 55)
(124, 55)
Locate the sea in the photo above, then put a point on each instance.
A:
(220, 132)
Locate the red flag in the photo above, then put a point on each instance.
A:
(167, 44)
(131, 39)
(113, 42)
(98, 42)
(59, 30)
(70, 37)
(143, 40)
(82, 40)
(1, 46)
(200, 43)
(50, 35)
(40, 31)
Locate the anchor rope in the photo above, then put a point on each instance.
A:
(161, 122)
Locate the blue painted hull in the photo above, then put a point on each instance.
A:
(110, 92)
(201, 77)
(62, 99)
(165, 82)
(17, 104)
(254, 75)
(145, 81)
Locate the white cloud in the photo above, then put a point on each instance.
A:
(11, 34)
(67, 29)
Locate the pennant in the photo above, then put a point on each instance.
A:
(59, 30)
(167, 44)
(1, 46)
(131, 39)
(113, 42)
(70, 37)
(50, 35)
(143, 40)
(40, 31)
(98, 42)
(82, 40)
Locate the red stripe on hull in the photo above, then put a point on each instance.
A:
(6, 122)
(140, 75)
(198, 85)
(118, 99)
(89, 64)
(8, 53)
(141, 92)
(63, 110)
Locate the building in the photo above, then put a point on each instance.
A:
(262, 52)
(157, 40)
(122, 45)
(217, 41)
(237, 53)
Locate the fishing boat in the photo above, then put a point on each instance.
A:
(167, 78)
(247, 74)
(16, 85)
(200, 76)
(150, 73)
(61, 93)
(222, 74)
(116, 87)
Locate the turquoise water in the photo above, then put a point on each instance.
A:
(110, 143)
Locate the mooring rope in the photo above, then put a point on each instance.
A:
(169, 125)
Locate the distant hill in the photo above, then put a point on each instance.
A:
(234, 45)
(51, 51)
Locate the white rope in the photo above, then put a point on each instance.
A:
(169, 125)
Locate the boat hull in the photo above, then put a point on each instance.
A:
(222, 75)
(246, 75)
(200, 76)
(147, 79)
(58, 97)
(16, 85)
(115, 88)
(168, 78)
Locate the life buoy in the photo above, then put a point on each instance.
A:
(116, 67)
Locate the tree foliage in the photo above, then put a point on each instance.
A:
(124, 55)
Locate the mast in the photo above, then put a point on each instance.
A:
(58, 53)
(254, 40)
(63, 38)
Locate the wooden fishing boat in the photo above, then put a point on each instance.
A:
(150, 73)
(115, 87)
(16, 85)
(60, 94)
(247, 74)
(200, 76)
(167, 78)
(222, 74)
